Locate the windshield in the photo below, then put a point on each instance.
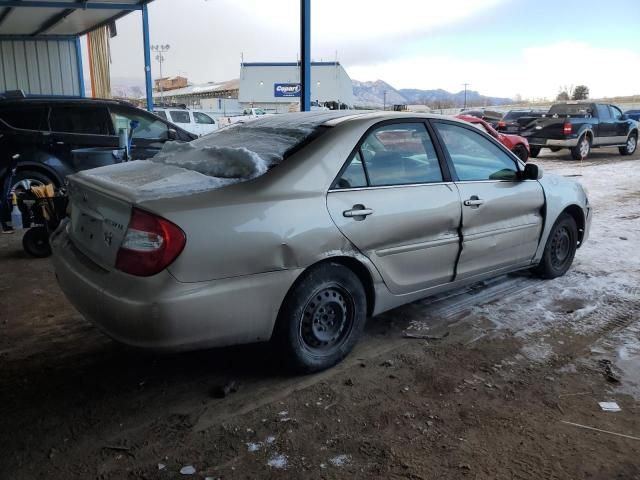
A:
(563, 109)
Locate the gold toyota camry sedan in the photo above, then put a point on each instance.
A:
(298, 227)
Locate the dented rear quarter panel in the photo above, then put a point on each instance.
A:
(275, 222)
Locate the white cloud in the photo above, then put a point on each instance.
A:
(537, 72)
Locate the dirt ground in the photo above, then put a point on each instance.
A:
(505, 388)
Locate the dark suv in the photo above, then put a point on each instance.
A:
(45, 131)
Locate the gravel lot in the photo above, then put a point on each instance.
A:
(504, 393)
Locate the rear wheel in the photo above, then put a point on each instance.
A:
(321, 318)
(23, 180)
(534, 152)
(521, 152)
(36, 242)
(560, 248)
(582, 149)
(630, 147)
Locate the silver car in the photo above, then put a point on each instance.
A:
(298, 227)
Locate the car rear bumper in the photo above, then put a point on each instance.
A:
(161, 313)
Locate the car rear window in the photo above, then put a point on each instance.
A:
(515, 115)
(250, 149)
(28, 118)
(570, 109)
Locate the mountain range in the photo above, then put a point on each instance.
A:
(372, 94)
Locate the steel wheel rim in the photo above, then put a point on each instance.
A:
(584, 148)
(327, 320)
(560, 247)
(25, 185)
(631, 144)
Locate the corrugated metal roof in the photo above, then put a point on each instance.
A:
(200, 89)
(61, 17)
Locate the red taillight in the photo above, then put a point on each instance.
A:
(567, 128)
(150, 244)
(502, 124)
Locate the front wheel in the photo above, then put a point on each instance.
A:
(582, 149)
(631, 145)
(560, 248)
(36, 242)
(321, 318)
(521, 152)
(534, 151)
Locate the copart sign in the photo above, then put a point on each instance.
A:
(286, 89)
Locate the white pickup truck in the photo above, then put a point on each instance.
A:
(193, 121)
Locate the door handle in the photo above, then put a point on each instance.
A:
(474, 201)
(358, 211)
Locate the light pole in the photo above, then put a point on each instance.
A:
(161, 50)
(384, 106)
(465, 95)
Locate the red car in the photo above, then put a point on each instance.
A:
(517, 144)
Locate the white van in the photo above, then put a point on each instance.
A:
(193, 121)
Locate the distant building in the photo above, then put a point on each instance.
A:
(199, 96)
(276, 86)
(170, 83)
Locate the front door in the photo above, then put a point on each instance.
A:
(501, 215)
(620, 127)
(149, 135)
(394, 204)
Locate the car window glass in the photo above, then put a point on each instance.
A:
(603, 112)
(353, 176)
(475, 157)
(615, 112)
(28, 118)
(178, 116)
(400, 154)
(161, 114)
(149, 126)
(202, 118)
(87, 120)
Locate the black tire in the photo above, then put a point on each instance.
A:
(321, 318)
(521, 152)
(36, 242)
(630, 147)
(534, 151)
(582, 149)
(24, 178)
(560, 248)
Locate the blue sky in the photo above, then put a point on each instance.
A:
(501, 47)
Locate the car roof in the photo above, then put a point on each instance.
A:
(62, 100)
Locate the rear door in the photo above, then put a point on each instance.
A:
(184, 119)
(79, 126)
(394, 202)
(501, 215)
(606, 128)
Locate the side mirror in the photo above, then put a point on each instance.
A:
(532, 172)
(172, 134)
(624, 117)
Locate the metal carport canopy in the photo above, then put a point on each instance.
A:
(68, 20)
(73, 18)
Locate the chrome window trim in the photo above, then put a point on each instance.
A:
(384, 187)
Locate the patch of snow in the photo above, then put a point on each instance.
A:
(253, 446)
(340, 460)
(213, 161)
(270, 439)
(187, 470)
(279, 461)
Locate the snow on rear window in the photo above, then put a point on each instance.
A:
(247, 150)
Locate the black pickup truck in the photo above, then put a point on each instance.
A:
(580, 126)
